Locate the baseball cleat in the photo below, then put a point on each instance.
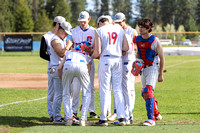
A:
(93, 115)
(102, 123)
(75, 122)
(75, 116)
(51, 119)
(69, 122)
(131, 120)
(61, 121)
(112, 117)
(159, 117)
(121, 122)
(85, 123)
(128, 122)
(149, 122)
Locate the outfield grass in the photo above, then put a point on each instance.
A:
(178, 101)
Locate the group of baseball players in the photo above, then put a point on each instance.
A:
(71, 54)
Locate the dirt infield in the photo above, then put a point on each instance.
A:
(30, 80)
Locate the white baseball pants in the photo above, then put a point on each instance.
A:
(110, 71)
(79, 70)
(57, 84)
(128, 88)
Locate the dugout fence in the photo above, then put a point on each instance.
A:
(168, 39)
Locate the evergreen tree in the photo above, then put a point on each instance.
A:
(118, 6)
(145, 8)
(124, 6)
(104, 7)
(156, 11)
(23, 17)
(76, 7)
(58, 8)
(197, 12)
(168, 9)
(42, 24)
(128, 10)
(62, 8)
(6, 16)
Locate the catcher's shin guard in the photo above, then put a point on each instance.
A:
(147, 94)
(155, 109)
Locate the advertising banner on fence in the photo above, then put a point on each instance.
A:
(18, 43)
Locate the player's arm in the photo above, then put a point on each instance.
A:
(125, 46)
(43, 50)
(58, 49)
(162, 60)
(60, 67)
(134, 36)
(97, 46)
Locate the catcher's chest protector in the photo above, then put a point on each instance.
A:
(145, 51)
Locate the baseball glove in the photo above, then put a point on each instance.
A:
(137, 67)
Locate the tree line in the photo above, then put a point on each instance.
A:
(38, 15)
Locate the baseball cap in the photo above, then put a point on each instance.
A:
(59, 19)
(105, 16)
(83, 16)
(67, 27)
(119, 17)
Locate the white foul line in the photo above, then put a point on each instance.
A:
(95, 84)
(23, 101)
(182, 63)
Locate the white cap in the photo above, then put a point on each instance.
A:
(105, 16)
(119, 17)
(83, 16)
(67, 27)
(59, 19)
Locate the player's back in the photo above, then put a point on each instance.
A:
(111, 39)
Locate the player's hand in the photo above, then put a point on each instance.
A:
(69, 44)
(88, 50)
(160, 78)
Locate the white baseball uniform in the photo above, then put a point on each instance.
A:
(110, 68)
(128, 80)
(57, 83)
(79, 35)
(76, 66)
(50, 95)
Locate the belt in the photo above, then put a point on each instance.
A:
(149, 65)
(106, 56)
(125, 63)
(71, 60)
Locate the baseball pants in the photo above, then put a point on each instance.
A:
(80, 71)
(128, 88)
(50, 95)
(76, 91)
(110, 71)
(57, 84)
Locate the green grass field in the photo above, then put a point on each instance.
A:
(178, 99)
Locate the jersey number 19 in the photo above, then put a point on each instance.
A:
(112, 36)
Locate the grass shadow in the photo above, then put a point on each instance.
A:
(18, 121)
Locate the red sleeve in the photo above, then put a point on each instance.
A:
(134, 39)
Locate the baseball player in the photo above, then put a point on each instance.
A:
(150, 51)
(58, 48)
(128, 80)
(74, 65)
(45, 54)
(110, 42)
(81, 33)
